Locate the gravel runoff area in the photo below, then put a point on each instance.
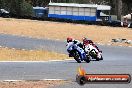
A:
(57, 30)
(30, 84)
(8, 54)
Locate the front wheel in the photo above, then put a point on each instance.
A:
(97, 59)
(101, 57)
(76, 57)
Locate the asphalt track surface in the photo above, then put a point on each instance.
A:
(117, 60)
(27, 43)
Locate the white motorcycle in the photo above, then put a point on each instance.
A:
(93, 52)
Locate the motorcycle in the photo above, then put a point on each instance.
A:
(93, 52)
(78, 53)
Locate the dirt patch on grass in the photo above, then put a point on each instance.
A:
(30, 84)
(25, 55)
(56, 30)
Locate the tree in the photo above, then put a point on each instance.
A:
(26, 9)
(127, 6)
(119, 9)
(1, 4)
(20, 8)
(38, 2)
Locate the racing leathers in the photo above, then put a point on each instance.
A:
(76, 45)
(87, 41)
(89, 46)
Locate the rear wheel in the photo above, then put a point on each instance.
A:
(97, 59)
(87, 59)
(93, 54)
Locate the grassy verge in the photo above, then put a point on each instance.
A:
(56, 30)
(22, 55)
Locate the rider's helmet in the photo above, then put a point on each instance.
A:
(69, 39)
(85, 40)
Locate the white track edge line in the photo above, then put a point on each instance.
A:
(34, 80)
(36, 61)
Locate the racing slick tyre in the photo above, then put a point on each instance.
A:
(87, 59)
(97, 59)
(77, 56)
(101, 57)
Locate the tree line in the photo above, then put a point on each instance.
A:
(24, 7)
(17, 7)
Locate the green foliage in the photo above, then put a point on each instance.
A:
(26, 9)
(17, 7)
(21, 8)
(4, 4)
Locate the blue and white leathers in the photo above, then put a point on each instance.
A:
(81, 52)
(72, 46)
(69, 46)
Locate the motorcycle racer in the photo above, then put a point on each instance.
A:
(73, 41)
(89, 46)
(75, 44)
(87, 41)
